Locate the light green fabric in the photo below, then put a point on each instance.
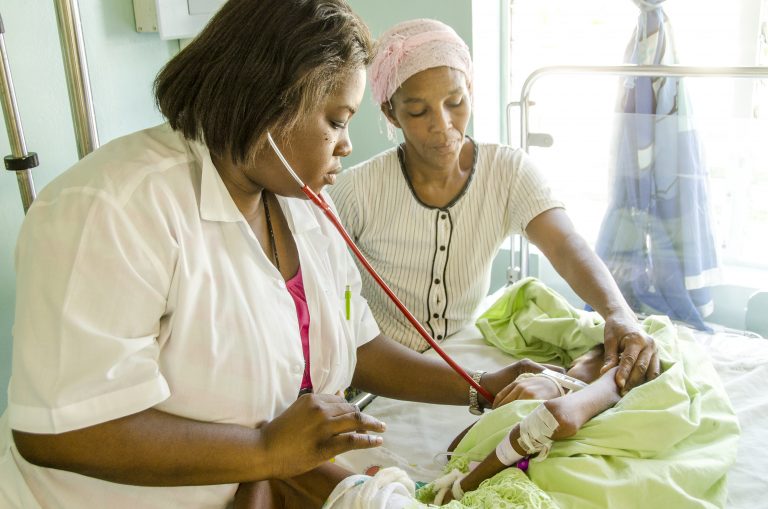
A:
(533, 321)
(509, 489)
(668, 443)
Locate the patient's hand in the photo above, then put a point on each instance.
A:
(570, 411)
(503, 382)
(537, 387)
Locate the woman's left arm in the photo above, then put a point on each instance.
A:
(626, 344)
(387, 368)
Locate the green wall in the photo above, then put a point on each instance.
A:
(367, 129)
(122, 65)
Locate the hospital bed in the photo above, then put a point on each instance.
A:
(418, 434)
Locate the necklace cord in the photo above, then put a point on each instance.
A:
(272, 242)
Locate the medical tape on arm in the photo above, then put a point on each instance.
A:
(506, 453)
(536, 432)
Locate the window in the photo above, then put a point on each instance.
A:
(579, 111)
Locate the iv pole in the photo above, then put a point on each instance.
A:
(20, 161)
(78, 86)
(78, 82)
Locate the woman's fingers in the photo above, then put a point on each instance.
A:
(349, 427)
(315, 428)
(530, 388)
(509, 397)
(611, 353)
(654, 369)
(502, 395)
(343, 442)
(646, 367)
(627, 359)
(635, 360)
(347, 417)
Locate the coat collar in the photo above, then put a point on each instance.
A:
(216, 204)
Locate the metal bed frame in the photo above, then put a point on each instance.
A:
(78, 85)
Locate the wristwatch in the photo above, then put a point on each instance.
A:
(474, 400)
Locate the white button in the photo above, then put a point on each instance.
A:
(281, 283)
(298, 368)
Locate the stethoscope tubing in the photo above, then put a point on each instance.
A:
(320, 202)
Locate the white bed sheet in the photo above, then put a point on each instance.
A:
(416, 432)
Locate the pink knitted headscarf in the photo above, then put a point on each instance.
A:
(411, 47)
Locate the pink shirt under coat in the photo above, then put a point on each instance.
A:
(295, 287)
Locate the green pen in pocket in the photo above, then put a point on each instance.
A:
(348, 302)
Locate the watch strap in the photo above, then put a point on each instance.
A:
(474, 398)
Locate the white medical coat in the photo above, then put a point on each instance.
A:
(141, 285)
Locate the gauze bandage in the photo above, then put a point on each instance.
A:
(506, 453)
(536, 432)
(449, 482)
(414, 46)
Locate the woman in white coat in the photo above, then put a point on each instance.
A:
(179, 322)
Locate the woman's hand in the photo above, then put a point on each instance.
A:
(538, 387)
(314, 429)
(502, 383)
(632, 350)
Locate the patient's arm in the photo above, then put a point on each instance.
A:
(571, 412)
(586, 368)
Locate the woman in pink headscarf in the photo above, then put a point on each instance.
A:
(432, 213)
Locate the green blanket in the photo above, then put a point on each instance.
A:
(668, 443)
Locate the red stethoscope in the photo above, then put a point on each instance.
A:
(320, 202)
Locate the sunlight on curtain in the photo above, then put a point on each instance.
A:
(656, 237)
(731, 115)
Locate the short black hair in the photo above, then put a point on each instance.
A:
(257, 66)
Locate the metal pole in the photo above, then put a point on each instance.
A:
(677, 71)
(20, 161)
(78, 82)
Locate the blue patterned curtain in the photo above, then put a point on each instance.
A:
(656, 237)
